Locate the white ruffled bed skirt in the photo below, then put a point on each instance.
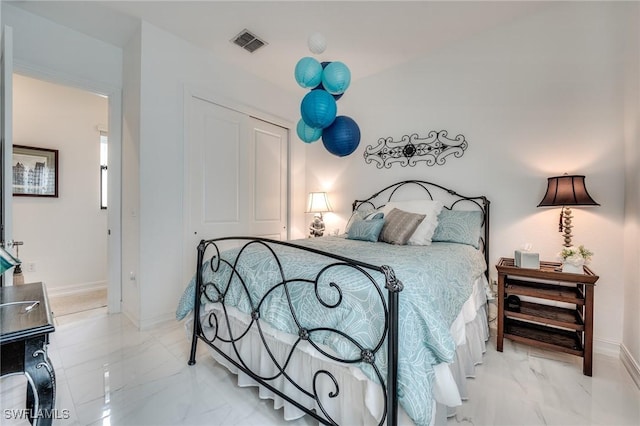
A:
(360, 400)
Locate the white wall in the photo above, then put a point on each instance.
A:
(158, 67)
(535, 98)
(64, 237)
(49, 51)
(538, 97)
(168, 65)
(46, 48)
(631, 329)
(131, 178)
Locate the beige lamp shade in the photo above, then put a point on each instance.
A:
(318, 203)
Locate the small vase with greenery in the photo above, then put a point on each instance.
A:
(573, 258)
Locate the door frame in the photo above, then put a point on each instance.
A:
(6, 130)
(208, 95)
(114, 211)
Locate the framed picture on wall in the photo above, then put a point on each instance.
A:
(35, 171)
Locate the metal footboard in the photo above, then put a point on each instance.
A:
(328, 292)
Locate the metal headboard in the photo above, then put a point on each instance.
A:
(432, 191)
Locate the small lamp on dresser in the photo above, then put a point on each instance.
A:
(566, 191)
(318, 204)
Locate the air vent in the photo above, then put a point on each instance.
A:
(248, 41)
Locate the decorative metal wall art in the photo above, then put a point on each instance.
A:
(411, 149)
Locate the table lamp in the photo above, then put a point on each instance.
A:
(566, 191)
(318, 204)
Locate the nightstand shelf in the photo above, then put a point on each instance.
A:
(549, 315)
(555, 292)
(544, 337)
(537, 321)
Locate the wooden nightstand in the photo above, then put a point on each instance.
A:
(564, 329)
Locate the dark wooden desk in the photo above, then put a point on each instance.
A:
(25, 323)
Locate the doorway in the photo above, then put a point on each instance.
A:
(65, 242)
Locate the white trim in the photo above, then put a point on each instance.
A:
(6, 134)
(131, 317)
(201, 92)
(630, 364)
(155, 321)
(114, 213)
(76, 289)
(606, 347)
(59, 77)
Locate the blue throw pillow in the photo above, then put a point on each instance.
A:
(458, 226)
(362, 215)
(365, 230)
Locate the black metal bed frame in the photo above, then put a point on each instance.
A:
(367, 355)
(433, 191)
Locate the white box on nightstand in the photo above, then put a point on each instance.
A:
(526, 259)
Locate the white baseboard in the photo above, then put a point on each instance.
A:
(157, 320)
(76, 288)
(147, 323)
(606, 347)
(131, 318)
(630, 364)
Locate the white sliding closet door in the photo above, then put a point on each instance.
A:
(235, 176)
(268, 144)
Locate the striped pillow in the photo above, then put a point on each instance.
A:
(399, 225)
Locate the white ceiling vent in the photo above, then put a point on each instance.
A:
(248, 41)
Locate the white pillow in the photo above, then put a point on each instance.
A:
(431, 208)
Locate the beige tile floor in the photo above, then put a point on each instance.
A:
(66, 304)
(110, 373)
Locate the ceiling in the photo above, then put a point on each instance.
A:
(368, 36)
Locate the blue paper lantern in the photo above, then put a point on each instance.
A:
(318, 109)
(336, 78)
(307, 133)
(320, 86)
(308, 72)
(342, 137)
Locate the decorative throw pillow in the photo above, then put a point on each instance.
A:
(399, 225)
(457, 226)
(366, 230)
(374, 215)
(362, 215)
(430, 208)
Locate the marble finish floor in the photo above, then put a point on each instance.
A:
(110, 373)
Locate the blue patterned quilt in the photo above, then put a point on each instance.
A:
(437, 280)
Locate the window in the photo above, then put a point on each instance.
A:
(104, 155)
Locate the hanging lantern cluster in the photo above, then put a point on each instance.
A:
(328, 81)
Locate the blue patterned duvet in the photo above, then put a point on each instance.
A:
(437, 280)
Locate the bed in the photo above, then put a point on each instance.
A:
(348, 329)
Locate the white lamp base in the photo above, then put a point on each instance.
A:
(316, 228)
